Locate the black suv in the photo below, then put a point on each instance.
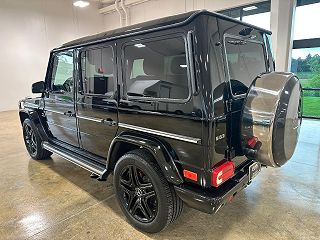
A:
(183, 109)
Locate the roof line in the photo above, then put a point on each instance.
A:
(172, 25)
(219, 15)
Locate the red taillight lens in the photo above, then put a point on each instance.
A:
(252, 142)
(222, 173)
(190, 175)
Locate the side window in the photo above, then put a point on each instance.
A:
(157, 69)
(62, 72)
(97, 71)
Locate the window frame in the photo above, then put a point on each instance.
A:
(304, 41)
(80, 89)
(50, 80)
(303, 44)
(269, 52)
(227, 72)
(146, 39)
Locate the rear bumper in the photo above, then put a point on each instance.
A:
(211, 200)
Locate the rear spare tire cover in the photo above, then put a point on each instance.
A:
(272, 116)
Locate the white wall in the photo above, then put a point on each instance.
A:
(29, 29)
(160, 8)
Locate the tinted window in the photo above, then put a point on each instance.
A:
(245, 61)
(157, 69)
(257, 14)
(97, 71)
(62, 72)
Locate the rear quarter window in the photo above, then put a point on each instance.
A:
(157, 69)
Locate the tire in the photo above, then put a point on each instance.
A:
(33, 141)
(139, 184)
(272, 115)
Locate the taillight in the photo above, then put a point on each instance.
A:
(252, 142)
(222, 173)
(190, 175)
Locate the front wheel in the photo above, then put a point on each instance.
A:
(33, 141)
(145, 197)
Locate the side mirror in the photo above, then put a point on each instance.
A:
(38, 87)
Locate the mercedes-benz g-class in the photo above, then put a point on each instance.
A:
(183, 109)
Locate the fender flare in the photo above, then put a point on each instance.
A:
(156, 148)
(33, 115)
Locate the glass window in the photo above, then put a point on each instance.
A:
(306, 24)
(62, 75)
(306, 65)
(233, 12)
(257, 14)
(157, 69)
(246, 61)
(306, 54)
(97, 71)
(260, 20)
(137, 68)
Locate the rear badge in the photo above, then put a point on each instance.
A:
(221, 136)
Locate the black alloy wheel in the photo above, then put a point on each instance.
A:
(146, 198)
(32, 140)
(138, 194)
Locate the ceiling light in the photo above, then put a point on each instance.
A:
(139, 45)
(183, 65)
(81, 4)
(249, 8)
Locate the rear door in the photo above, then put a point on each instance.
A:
(97, 112)
(245, 57)
(59, 101)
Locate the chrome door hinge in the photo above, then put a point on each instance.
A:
(230, 153)
(228, 105)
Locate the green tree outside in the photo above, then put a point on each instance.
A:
(308, 71)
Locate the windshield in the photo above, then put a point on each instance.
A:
(246, 60)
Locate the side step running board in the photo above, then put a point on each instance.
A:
(91, 166)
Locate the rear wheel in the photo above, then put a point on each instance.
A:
(145, 197)
(33, 141)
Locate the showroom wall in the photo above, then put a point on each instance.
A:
(29, 30)
(160, 8)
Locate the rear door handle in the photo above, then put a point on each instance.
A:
(109, 122)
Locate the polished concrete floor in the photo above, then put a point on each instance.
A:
(54, 199)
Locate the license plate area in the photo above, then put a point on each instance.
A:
(254, 169)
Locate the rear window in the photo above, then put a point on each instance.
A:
(246, 60)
